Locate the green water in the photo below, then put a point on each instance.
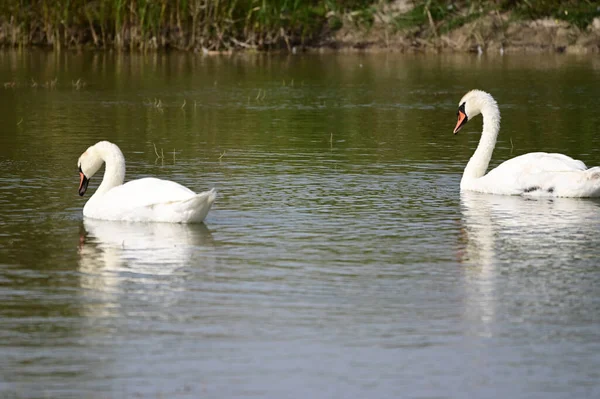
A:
(339, 260)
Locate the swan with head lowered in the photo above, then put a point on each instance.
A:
(533, 174)
(143, 200)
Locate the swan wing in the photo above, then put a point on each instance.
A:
(151, 199)
(539, 173)
(538, 162)
(148, 191)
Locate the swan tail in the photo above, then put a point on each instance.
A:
(575, 184)
(586, 184)
(196, 208)
(593, 181)
(594, 173)
(191, 210)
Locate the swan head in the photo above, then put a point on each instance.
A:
(471, 105)
(89, 162)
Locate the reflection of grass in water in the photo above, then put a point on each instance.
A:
(78, 84)
(48, 84)
(260, 96)
(157, 104)
(161, 156)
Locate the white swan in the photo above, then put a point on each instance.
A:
(142, 200)
(533, 174)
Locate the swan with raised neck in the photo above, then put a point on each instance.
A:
(533, 174)
(145, 200)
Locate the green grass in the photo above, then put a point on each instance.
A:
(576, 12)
(250, 24)
(449, 15)
(185, 24)
(445, 15)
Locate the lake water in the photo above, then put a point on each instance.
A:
(339, 260)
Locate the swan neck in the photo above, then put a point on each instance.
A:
(114, 172)
(480, 160)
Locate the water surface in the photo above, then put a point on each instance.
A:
(339, 260)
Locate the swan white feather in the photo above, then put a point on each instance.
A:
(533, 174)
(143, 200)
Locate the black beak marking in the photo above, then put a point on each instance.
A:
(83, 182)
(462, 118)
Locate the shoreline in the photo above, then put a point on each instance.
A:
(486, 30)
(495, 33)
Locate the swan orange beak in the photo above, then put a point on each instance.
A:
(83, 183)
(462, 120)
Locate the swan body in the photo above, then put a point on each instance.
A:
(143, 200)
(534, 174)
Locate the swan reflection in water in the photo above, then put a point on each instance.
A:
(513, 234)
(110, 252)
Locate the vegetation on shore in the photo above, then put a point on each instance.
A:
(252, 24)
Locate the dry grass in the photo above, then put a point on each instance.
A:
(202, 25)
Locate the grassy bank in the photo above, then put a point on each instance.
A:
(251, 24)
(181, 24)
